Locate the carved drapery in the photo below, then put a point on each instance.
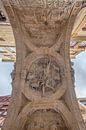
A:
(42, 82)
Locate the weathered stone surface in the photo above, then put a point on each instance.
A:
(45, 119)
(43, 85)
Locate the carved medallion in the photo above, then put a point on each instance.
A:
(45, 120)
(44, 76)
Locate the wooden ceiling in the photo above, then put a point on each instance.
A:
(7, 42)
(78, 36)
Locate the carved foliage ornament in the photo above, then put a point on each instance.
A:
(45, 3)
(44, 21)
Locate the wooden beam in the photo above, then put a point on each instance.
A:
(79, 38)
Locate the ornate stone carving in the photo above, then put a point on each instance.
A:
(44, 75)
(46, 37)
(72, 72)
(45, 120)
(59, 4)
(14, 72)
(43, 20)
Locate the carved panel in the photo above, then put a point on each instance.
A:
(45, 120)
(44, 26)
(44, 76)
(46, 37)
(43, 20)
(59, 4)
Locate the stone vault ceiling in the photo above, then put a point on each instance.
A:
(7, 42)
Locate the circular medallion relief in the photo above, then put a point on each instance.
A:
(45, 120)
(44, 76)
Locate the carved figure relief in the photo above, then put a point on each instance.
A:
(44, 76)
(45, 120)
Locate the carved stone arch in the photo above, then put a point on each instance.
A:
(39, 33)
(59, 107)
(70, 25)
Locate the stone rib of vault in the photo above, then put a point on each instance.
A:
(43, 96)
